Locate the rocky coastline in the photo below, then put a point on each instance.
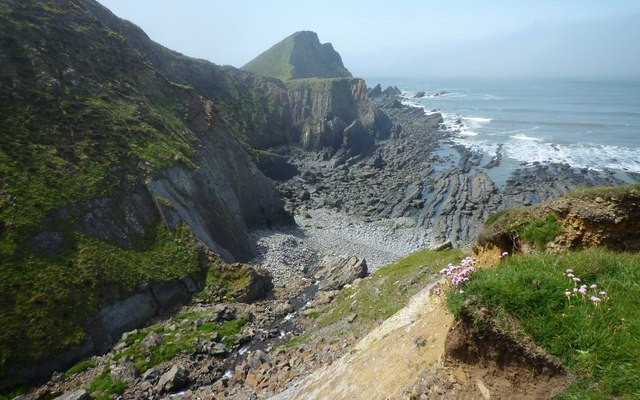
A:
(415, 190)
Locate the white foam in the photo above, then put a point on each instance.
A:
(410, 103)
(480, 120)
(597, 157)
(535, 128)
(471, 132)
(526, 138)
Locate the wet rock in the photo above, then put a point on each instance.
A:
(46, 243)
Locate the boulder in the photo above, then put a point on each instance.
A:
(125, 371)
(152, 340)
(377, 123)
(222, 312)
(255, 360)
(151, 374)
(260, 284)
(79, 394)
(420, 95)
(335, 274)
(174, 379)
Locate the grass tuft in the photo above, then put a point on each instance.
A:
(598, 344)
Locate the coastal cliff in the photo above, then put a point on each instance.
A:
(120, 156)
(130, 173)
(112, 173)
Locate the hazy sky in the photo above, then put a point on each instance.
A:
(392, 38)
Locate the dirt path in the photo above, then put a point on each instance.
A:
(385, 361)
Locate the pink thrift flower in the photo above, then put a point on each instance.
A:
(569, 271)
(594, 286)
(575, 279)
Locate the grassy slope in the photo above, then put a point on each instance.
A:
(274, 62)
(598, 344)
(379, 296)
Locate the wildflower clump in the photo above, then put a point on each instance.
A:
(459, 274)
(584, 292)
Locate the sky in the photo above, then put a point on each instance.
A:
(408, 37)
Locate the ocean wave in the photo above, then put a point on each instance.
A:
(533, 128)
(480, 120)
(524, 137)
(589, 156)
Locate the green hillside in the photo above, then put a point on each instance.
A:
(299, 56)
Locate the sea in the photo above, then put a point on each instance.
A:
(586, 124)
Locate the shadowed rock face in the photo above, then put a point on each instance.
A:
(311, 59)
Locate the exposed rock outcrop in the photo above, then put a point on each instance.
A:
(334, 274)
(589, 218)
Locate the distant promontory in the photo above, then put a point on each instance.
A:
(300, 55)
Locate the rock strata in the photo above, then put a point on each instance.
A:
(446, 190)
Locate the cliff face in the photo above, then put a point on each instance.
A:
(323, 108)
(113, 169)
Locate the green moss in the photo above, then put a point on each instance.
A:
(597, 344)
(190, 329)
(46, 302)
(228, 281)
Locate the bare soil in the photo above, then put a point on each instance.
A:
(421, 353)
